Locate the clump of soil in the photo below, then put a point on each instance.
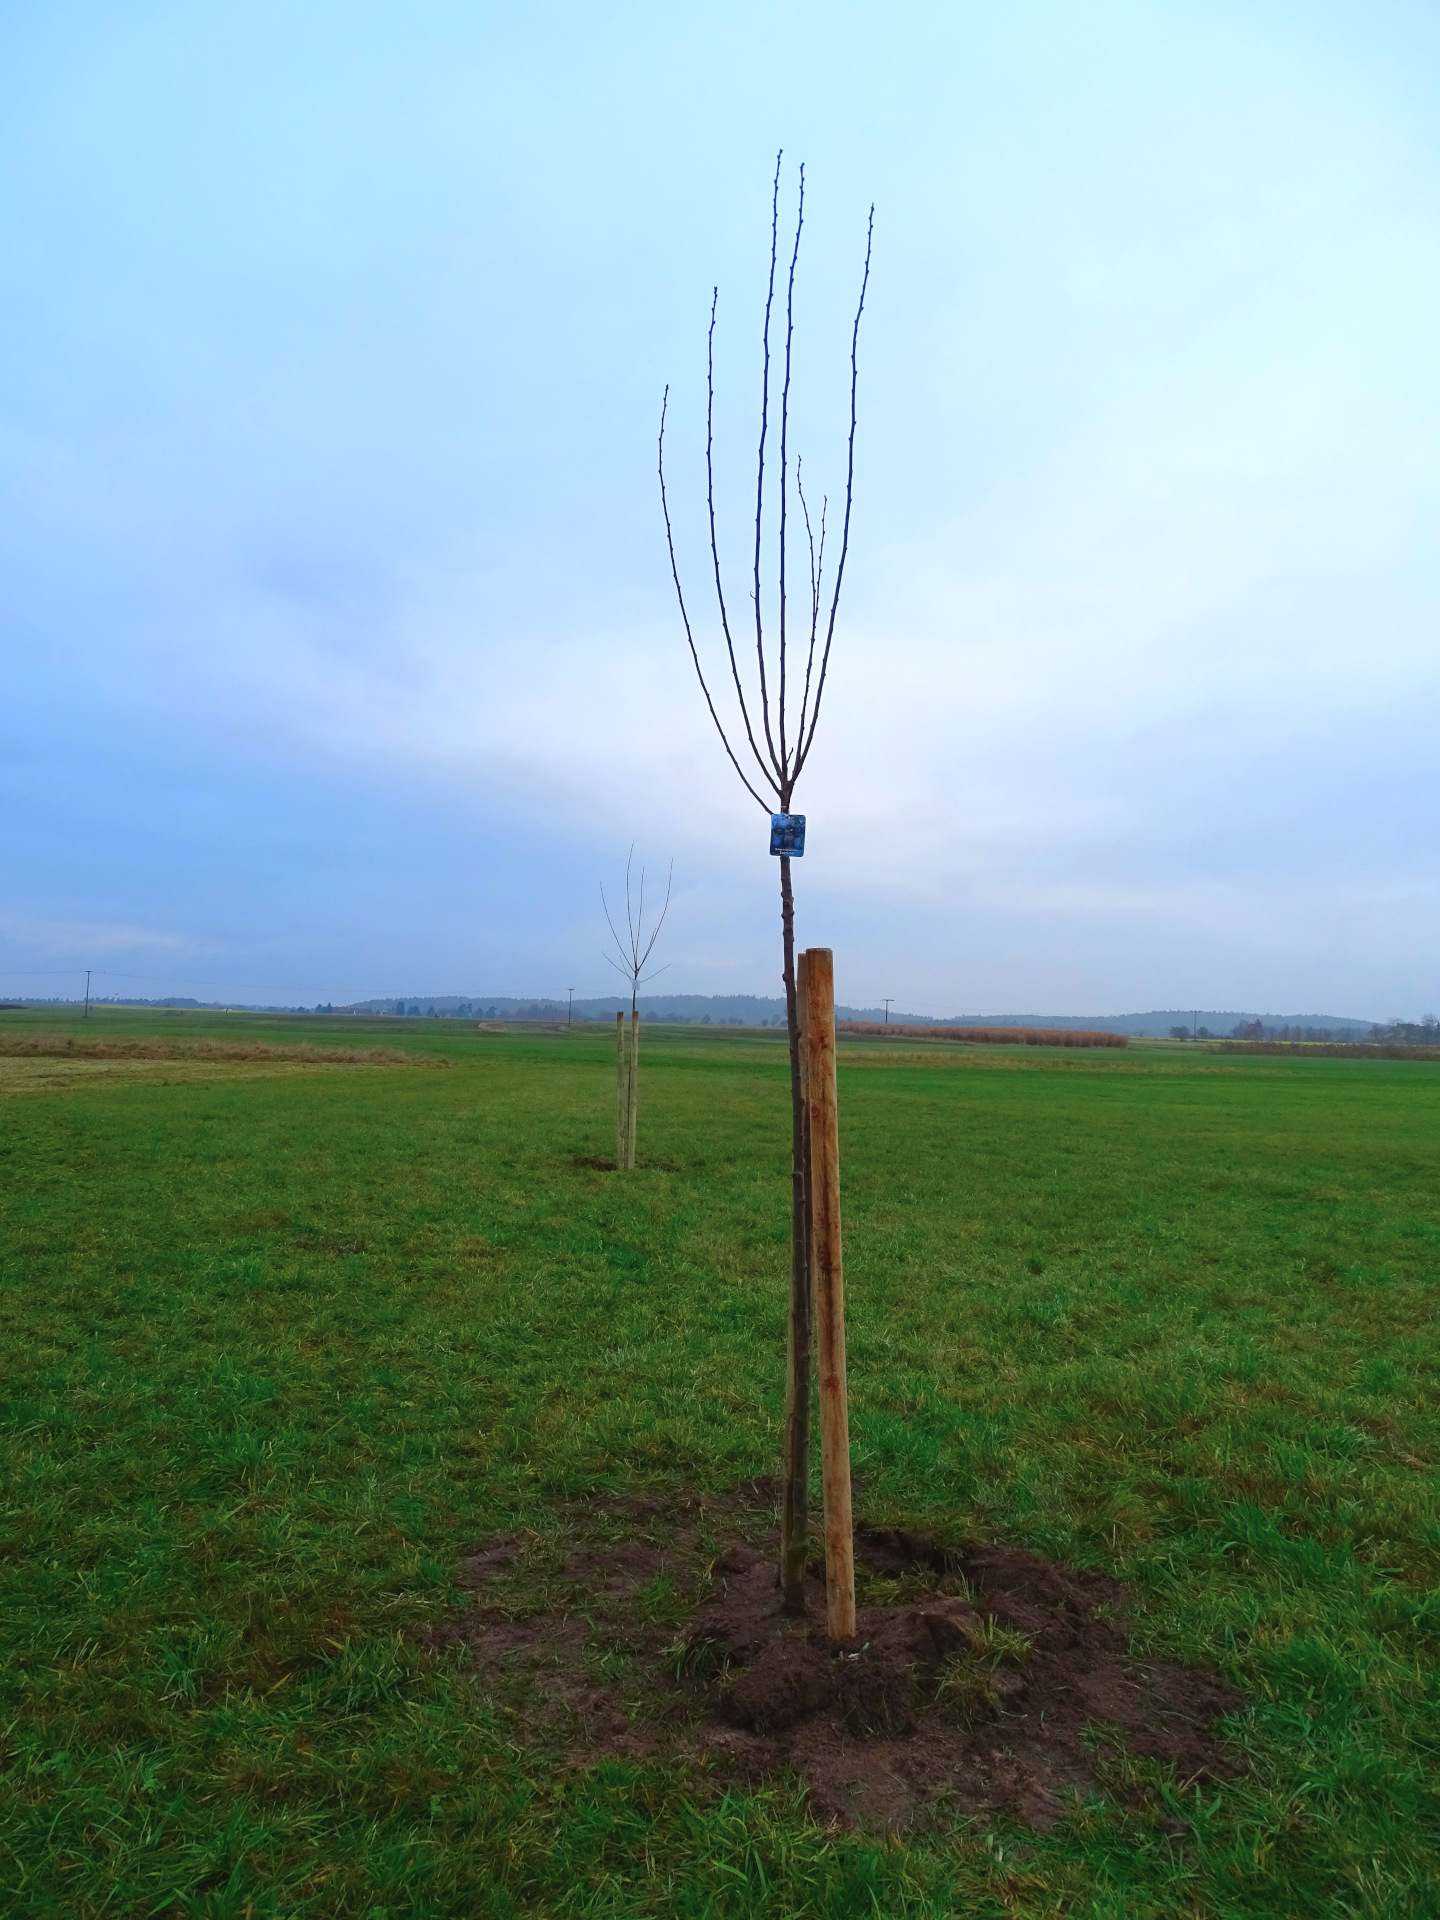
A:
(986, 1677)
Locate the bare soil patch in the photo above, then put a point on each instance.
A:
(983, 1678)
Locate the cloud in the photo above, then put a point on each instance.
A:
(82, 940)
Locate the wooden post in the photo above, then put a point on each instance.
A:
(822, 1114)
(619, 1090)
(632, 1117)
(795, 1487)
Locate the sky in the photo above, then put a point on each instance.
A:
(340, 651)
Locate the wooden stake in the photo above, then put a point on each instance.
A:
(822, 1111)
(619, 1090)
(795, 1490)
(633, 1116)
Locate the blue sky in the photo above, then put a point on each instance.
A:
(340, 655)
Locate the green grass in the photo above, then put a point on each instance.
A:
(277, 1351)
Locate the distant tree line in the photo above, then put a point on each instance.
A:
(542, 1010)
(1424, 1032)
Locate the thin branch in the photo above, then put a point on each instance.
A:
(632, 962)
(805, 745)
(785, 766)
(636, 980)
(817, 574)
(760, 466)
(714, 543)
(810, 542)
(619, 943)
(784, 464)
(685, 617)
(663, 911)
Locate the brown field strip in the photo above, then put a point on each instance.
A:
(32, 1063)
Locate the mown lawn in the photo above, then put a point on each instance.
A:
(278, 1348)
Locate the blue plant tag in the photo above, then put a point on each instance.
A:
(787, 834)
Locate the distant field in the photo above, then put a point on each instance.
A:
(280, 1343)
(42, 1054)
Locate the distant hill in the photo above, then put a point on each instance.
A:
(1158, 1025)
(755, 1010)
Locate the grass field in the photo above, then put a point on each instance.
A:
(283, 1341)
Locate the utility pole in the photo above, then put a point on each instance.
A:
(888, 1005)
(569, 1007)
(87, 993)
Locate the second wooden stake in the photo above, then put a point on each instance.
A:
(620, 1099)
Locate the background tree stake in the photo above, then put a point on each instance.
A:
(634, 951)
(619, 1089)
(632, 1101)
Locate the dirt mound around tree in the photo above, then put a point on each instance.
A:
(982, 1677)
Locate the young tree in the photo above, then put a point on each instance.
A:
(776, 746)
(634, 954)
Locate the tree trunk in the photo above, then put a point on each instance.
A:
(619, 1091)
(632, 1117)
(795, 1499)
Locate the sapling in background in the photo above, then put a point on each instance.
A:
(634, 952)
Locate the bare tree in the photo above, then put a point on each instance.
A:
(775, 747)
(634, 952)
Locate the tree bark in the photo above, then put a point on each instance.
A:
(795, 1498)
(632, 1127)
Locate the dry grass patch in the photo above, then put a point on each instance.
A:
(987, 1036)
(83, 1047)
(1330, 1049)
(856, 1053)
(43, 1063)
